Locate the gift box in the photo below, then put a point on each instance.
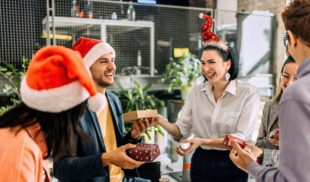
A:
(135, 115)
(275, 133)
(241, 143)
(145, 152)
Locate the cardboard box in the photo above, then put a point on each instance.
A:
(241, 143)
(145, 152)
(135, 115)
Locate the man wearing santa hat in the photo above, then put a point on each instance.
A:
(104, 157)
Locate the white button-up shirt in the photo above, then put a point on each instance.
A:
(235, 112)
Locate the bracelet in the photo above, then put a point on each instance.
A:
(135, 139)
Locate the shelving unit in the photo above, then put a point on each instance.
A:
(98, 27)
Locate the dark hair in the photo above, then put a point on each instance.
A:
(296, 18)
(279, 92)
(58, 128)
(234, 68)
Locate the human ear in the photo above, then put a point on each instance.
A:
(292, 39)
(228, 64)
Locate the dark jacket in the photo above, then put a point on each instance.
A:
(87, 165)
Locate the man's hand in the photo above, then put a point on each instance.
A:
(256, 151)
(194, 143)
(139, 127)
(119, 158)
(240, 157)
(274, 141)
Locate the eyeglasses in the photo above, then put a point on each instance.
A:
(286, 38)
(285, 78)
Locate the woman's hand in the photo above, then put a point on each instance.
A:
(240, 157)
(274, 141)
(194, 143)
(154, 121)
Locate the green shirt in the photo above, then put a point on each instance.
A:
(275, 125)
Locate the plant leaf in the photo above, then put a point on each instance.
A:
(148, 135)
(10, 66)
(9, 73)
(159, 130)
(16, 101)
(3, 69)
(147, 87)
(8, 89)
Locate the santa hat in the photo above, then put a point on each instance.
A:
(57, 79)
(92, 49)
(210, 39)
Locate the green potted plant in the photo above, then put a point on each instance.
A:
(139, 99)
(183, 73)
(15, 77)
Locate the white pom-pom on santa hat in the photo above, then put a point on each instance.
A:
(201, 15)
(97, 102)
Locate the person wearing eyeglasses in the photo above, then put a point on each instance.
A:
(270, 119)
(294, 109)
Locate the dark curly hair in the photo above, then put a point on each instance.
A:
(296, 18)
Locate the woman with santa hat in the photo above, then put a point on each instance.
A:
(54, 94)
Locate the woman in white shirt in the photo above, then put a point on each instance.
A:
(219, 106)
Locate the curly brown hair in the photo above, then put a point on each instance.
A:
(296, 18)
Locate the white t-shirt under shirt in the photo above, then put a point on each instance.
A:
(235, 112)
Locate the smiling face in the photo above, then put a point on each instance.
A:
(289, 75)
(213, 66)
(103, 70)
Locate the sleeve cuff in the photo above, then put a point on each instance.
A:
(238, 135)
(101, 170)
(261, 159)
(253, 169)
(183, 130)
(134, 141)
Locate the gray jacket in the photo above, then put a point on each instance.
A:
(270, 115)
(294, 114)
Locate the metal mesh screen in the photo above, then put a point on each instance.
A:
(173, 28)
(20, 29)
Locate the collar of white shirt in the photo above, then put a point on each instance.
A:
(231, 87)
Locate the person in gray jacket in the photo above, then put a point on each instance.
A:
(294, 108)
(270, 120)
